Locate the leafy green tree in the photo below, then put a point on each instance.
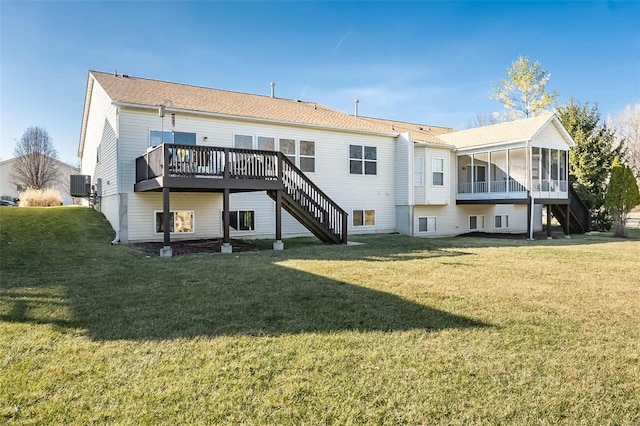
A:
(622, 196)
(591, 159)
(523, 93)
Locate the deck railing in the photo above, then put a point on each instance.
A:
(173, 160)
(484, 187)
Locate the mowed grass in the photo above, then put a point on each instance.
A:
(396, 331)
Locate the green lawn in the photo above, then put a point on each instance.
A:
(395, 331)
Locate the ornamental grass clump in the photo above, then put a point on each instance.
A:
(47, 197)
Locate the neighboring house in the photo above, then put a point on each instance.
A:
(11, 190)
(174, 161)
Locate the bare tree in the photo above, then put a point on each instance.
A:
(484, 119)
(523, 93)
(35, 165)
(627, 126)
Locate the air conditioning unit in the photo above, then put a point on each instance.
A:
(80, 186)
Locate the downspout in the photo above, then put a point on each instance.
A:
(116, 240)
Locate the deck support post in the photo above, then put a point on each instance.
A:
(166, 223)
(567, 222)
(278, 244)
(226, 246)
(548, 221)
(529, 212)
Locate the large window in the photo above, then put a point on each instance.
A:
(427, 224)
(266, 143)
(501, 221)
(157, 137)
(476, 222)
(438, 171)
(308, 156)
(288, 148)
(364, 217)
(241, 220)
(179, 221)
(243, 141)
(363, 160)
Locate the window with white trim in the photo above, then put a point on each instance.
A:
(476, 222)
(157, 137)
(266, 143)
(427, 224)
(179, 221)
(418, 171)
(501, 221)
(363, 160)
(241, 220)
(307, 156)
(288, 148)
(364, 217)
(243, 141)
(438, 171)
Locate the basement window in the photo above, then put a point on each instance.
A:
(241, 220)
(364, 218)
(476, 222)
(501, 221)
(427, 224)
(179, 221)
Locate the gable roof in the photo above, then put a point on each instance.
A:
(511, 131)
(137, 91)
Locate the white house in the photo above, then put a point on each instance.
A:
(174, 161)
(10, 190)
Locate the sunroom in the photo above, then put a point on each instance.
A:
(512, 173)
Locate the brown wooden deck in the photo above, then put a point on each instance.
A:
(191, 168)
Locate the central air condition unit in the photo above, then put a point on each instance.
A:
(80, 186)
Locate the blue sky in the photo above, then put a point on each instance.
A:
(427, 62)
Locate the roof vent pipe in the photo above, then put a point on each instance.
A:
(355, 103)
(273, 89)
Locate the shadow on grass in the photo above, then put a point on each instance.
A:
(117, 293)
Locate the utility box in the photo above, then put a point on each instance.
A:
(80, 185)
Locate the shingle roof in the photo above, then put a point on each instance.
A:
(141, 91)
(512, 131)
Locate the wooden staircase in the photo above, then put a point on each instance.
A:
(303, 200)
(579, 215)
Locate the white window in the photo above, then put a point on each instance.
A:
(179, 221)
(476, 222)
(501, 221)
(243, 141)
(364, 217)
(418, 171)
(157, 137)
(427, 224)
(363, 160)
(241, 220)
(438, 171)
(266, 143)
(307, 156)
(288, 148)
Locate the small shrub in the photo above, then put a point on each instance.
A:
(40, 198)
